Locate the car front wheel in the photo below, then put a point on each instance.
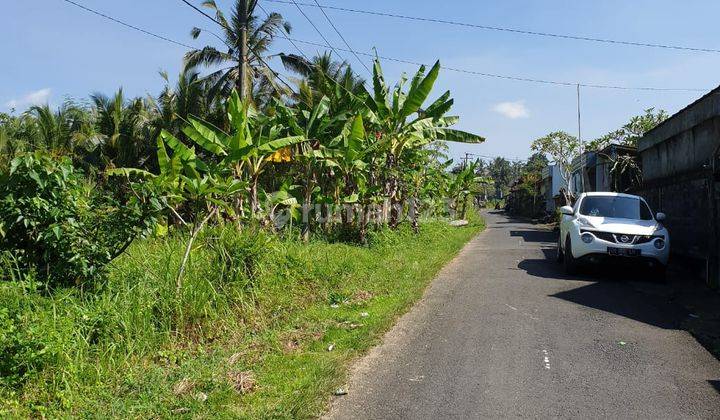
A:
(571, 264)
(559, 255)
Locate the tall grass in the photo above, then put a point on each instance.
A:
(245, 336)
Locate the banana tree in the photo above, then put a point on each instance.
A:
(184, 178)
(283, 199)
(351, 154)
(425, 180)
(402, 123)
(465, 183)
(316, 124)
(248, 148)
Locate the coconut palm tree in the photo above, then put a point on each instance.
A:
(188, 97)
(62, 130)
(126, 137)
(11, 138)
(260, 35)
(322, 76)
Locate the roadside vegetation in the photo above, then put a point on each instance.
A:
(249, 335)
(227, 246)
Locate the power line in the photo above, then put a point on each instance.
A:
(511, 30)
(197, 9)
(466, 71)
(257, 56)
(316, 29)
(342, 37)
(515, 78)
(118, 21)
(292, 41)
(491, 158)
(286, 33)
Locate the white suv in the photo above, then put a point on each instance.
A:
(602, 226)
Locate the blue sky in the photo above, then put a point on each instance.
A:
(57, 50)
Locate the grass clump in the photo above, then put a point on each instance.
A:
(246, 336)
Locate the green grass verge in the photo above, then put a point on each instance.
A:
(247, 336)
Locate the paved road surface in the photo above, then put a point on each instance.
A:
(503, 333)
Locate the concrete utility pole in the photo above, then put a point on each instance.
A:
(242, 70)
(578, 110)
(582, 144)
(465, 159)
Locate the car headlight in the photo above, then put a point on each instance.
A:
(659, 243)
(587, 237)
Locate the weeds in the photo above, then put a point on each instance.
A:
(133, 348)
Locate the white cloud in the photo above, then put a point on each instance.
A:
(512, 110)
(39, 97)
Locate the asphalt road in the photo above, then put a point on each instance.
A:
(502, 332)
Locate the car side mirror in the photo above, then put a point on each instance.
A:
(660, 217)
(566, 210)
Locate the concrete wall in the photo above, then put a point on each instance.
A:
(679, 180)
(602, 176)
(684, 142)
(686, 204)
(684, 152)
(558, 182)
(583, 166)
(552, 182)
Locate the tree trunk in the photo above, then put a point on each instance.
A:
(463, 212)
(347, 215)
(309, 185)
(415, 215)
(242, 69)
(254, 205)
(364, 220)
(196, 230)
(391, 190)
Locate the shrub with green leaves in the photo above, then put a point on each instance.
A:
(57, 223)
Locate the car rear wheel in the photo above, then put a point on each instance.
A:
(569, 260)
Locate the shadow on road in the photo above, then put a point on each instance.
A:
(611, 291)
(621, 299)
(535, 235)
(715, 385)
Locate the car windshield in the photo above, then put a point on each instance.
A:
(616, 207)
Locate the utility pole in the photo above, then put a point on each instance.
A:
(465, 159)
(242, 68)
(582, 144)
(578, 112)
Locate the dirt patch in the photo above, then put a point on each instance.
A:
(243, 382)
(183, 387)
(362, 296)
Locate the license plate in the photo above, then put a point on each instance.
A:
(623, 252)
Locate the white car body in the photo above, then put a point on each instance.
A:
(643, 237)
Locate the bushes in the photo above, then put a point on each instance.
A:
(237, 255)
(121, 347)
(25, 346)
(53, 221)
